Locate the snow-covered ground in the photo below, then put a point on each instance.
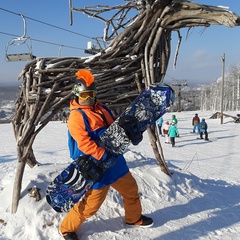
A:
(201, 200)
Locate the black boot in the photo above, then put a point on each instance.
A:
(142, 222)
(70, 236)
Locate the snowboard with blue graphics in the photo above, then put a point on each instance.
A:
(70, 185)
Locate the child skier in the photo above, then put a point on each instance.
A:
(174, 120)
(160, 123)
(173, 133)
(165, 128)
(203, 129)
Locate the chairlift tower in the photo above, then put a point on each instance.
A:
(179, 84)
(91, 49)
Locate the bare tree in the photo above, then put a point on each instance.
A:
(211, 95)
(137, 56)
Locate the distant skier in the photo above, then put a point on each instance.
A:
(160, 123)
(173, 133)
(165, 129)
(64, 117)
(174, 120)
(203, 129)
(195, 122)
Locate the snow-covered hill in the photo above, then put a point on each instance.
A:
(201, 200)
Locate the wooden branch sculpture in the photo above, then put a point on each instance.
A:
(137, 56)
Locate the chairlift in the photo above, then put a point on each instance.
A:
(23, 43)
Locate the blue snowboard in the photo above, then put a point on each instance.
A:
(70, 186)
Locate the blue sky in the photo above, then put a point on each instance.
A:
(199, 57)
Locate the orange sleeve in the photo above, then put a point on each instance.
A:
(78, 131)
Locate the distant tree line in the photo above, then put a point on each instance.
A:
(211, 96)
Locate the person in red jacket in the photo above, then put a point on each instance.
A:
(195, 122)
(118, 177)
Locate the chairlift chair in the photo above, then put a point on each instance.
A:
(15, 44)
(25, 45)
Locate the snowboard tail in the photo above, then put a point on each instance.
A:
(67, 188)
(72, 184)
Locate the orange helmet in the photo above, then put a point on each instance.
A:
(84, 82)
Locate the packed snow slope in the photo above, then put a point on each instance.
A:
(201, 199)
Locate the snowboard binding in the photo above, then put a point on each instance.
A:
(89, 169)
(131, 128)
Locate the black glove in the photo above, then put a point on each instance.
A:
(131, 128)
(89, 168)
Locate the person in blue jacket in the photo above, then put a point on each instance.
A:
(87, 120)
(173, 133)
(160, 123)
(202, 127)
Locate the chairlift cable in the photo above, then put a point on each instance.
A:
(51, 25)
(42, 41)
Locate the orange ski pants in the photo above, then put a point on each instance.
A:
(93, 200)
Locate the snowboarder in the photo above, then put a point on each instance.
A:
(202, 126)
(173, 133)
(165, 128)
(160, 123)
(118, 177)
(195, 122)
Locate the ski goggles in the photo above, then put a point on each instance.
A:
(84, 95)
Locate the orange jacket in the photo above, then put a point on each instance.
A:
(78, 130)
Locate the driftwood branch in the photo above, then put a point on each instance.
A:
(138, 55)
